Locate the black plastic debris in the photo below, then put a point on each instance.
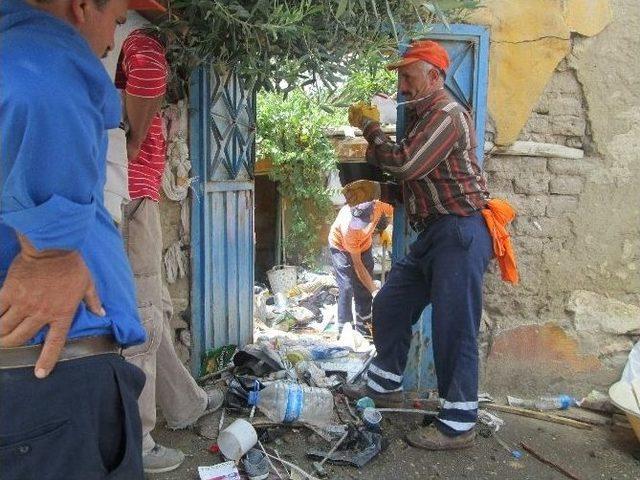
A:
(360, 448)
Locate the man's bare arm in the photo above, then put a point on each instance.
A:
(140, 112)
(361, 272)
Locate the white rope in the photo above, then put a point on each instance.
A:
(175, 262)
(175, 178)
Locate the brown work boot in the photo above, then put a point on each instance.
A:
(385, 400)
(430, 438)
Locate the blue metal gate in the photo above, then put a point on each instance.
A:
(468, 48)
(222, 126)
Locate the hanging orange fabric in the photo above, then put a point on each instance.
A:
(497, 215)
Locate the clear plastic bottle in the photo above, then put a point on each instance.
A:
(286, 402)
(547, 402)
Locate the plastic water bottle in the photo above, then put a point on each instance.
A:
(286, 402)
(548, 402)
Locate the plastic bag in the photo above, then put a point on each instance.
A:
(632, 368)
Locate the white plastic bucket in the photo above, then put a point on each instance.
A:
(282, 278)
(622, 396)
(237, 439)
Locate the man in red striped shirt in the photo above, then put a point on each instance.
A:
(443, 190)
(142, 75)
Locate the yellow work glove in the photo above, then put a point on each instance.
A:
(386, 236)
(361, 191)
(361, 113)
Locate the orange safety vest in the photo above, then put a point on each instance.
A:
(497, 215)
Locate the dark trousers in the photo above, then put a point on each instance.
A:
(81, 422)
(445, 267)
(351, 288)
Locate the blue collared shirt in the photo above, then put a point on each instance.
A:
(56, 105)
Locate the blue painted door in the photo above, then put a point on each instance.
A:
(468, 48)
(222, 132)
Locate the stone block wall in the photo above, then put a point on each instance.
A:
(570, 323)
(181, 288)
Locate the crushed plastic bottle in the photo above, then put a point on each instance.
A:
(548, 402)
(286, 402)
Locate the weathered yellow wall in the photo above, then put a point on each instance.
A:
(528, 40)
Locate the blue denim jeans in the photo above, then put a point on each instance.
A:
(445, 268)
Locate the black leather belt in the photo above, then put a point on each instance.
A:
(78, 348)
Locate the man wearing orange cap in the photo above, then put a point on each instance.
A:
(444, 191)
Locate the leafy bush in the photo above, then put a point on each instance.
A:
(283, 44)
(291, 133)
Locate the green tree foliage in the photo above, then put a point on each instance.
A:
(308, 58)
(291, 133)
(282, 44)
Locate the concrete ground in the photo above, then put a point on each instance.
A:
(610, 453)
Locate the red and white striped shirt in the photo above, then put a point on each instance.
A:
(142, 72)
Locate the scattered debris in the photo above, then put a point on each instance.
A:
(372, 418)
(515, 453)
(294, 467)
(430, 413)
(362, 446)
(289, 378)
(539, 457)
(541, 404)
(489, 419)
(237, 439)
(539, 416)
(317, 466)
(221, 471)
(586, 416)
(256, 465)
(598, 402)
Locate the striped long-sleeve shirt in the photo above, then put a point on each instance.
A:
(142, 72)
(435, 164)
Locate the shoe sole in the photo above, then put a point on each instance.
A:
(260, 477)
(163, 469)
(209, 411)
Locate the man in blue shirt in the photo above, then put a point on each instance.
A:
(66, 288)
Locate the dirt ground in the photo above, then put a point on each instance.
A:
(601, 453)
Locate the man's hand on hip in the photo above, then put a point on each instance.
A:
(44, 288)
(361, 191)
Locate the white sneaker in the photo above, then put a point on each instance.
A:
(215, 399)
(162, 459)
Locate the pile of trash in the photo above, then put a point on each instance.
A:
(291, 378)
(310, 304)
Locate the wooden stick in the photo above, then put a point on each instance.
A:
(208, 376)
(430, 413)
(547, 417)
(269, 460)
(279, 458)
(294, 467)
(539, 457)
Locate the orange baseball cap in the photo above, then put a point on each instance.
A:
(427, 50)
(146, 5)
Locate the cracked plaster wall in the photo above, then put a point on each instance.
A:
(570, 323)
(578, 231)
(529, 38)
